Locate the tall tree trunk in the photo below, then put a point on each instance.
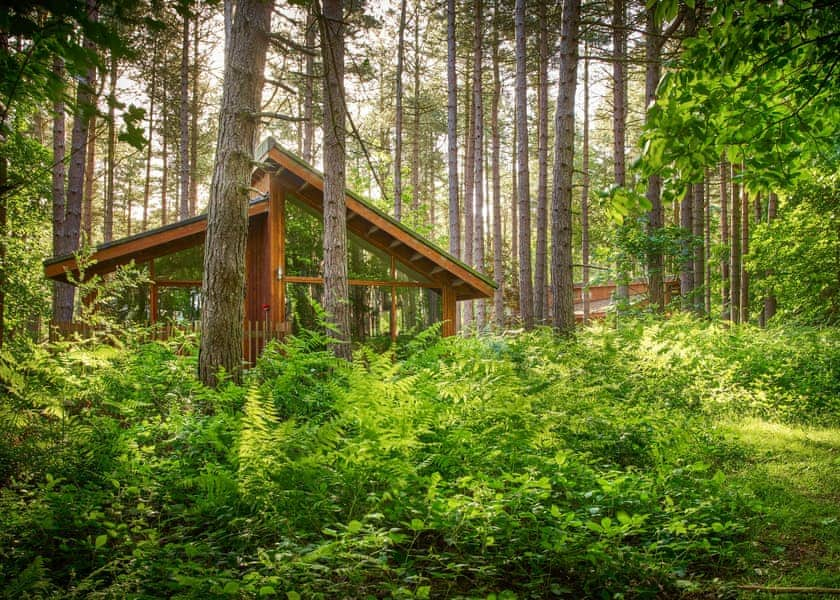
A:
(697, 233)
(526, 293)
(59, 310)
(686, 252)
(108, 225)
(469, 187)
(227, 217)
(184, 120)
(724, 236)
(152, 92)
(562, 282)
(399, 116)
(541, 260)
(735, 250)
(619, 64)
(415, 139)
(514, 206)
(478, 154)
(745, 249)
(90, 183)
(584, 195)
(707, 245)
(85, 94)
(757, 210)
(656, 217)
(452, 131)
(4, 180)
(164, 156)
(194, 120)
(770, 306)
(498, 263)
(335, 212)
(308, 90)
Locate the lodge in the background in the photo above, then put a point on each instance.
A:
(399, 282)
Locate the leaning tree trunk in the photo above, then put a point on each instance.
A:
(227, 214)
(335, 211)
(526, 294)
(562, 283)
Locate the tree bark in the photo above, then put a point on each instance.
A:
(745, 249)
(184, 120)
(90, 184)
(686, 252)
(194, 108)
(335, 212)
(697, 233)
(724, 236)
(541, 260)
(707, 246)
(770, 305)
(227, 218)
(584, 195)
(656, 217)
(59, 310)
(498, 263)
(399, 116)
(452, 131)
(148, 181)
(108, 224)
(469, 188)
(308, 90)
(619, 64)
(478, 154)
(735, 250)
(562, 283)
(526, 294)
(415, 138)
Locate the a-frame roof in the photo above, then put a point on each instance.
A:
(307, 184)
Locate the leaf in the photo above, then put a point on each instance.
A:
(231, 588)
(267, 590)
(292, 596)
(354, 526)
(101, 540)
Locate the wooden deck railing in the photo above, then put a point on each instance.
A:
(256, 334)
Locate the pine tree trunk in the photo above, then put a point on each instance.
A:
(514, 212)
(707, 245)
(164, 156)
(735, 250)
(469, 188)
(757, 210)
(745, 249)
(526, 294)
(108, 226)
(562, 283)
(148, 182)
(227, 217)
(619, 64)
(452, 131)
(686, 252)
(584, 196)
(541, 260)
(90, 183)
(335, 212)
(498, 263)
(184, 120)
(656, 217)
(478, 155)
(308, 90)
(770, 305)
(194, 121)
(697, 233)
(59, 310)
(399, 116)
(415, 139)
(724, 236)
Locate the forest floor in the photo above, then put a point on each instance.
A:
(656, 459)
(795, 473)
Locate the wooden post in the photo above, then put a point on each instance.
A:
(153, 294)
(448, 311)
(393, 322)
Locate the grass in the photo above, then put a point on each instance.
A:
(794, 471)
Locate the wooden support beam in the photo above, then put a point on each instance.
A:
(457, 283)
(437, 269)
(276, 251)
(373, 230)
(303, 186)
(448, 311)
(394, 244)
(415, 257)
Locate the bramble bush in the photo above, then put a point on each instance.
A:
(515, 466)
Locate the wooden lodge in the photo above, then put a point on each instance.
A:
(399, 281)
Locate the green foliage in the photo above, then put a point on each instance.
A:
(525, 466)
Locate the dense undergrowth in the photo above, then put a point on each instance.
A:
(515, 466)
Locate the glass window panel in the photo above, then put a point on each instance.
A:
(417, 309)
(365, 261)
(179, 304)
(299, 309)
(129, 305)
(186, 265)
(406, 273)
(370, 313)
(304, 239)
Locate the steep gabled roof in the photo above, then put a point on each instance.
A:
(307, 184)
